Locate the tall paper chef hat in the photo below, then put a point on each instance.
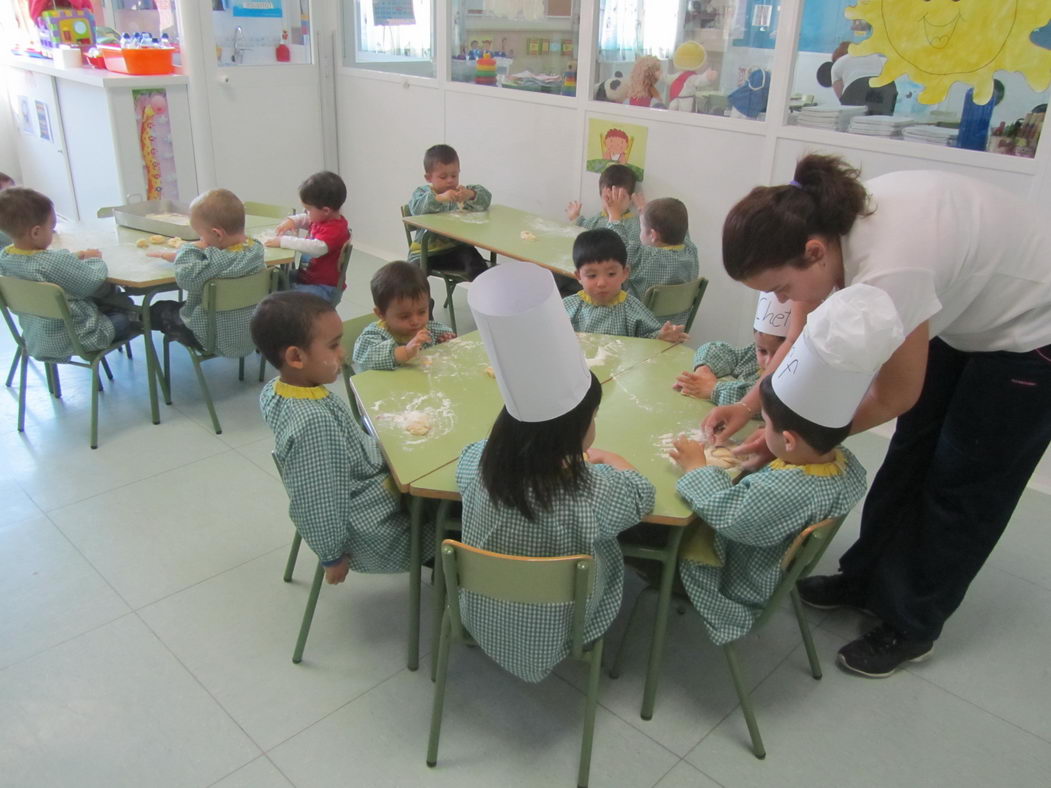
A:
(534, 351)
(846, 340)
(771, 316)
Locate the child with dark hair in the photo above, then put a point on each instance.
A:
(6, 182)
(616, 188)
(443, 193)
(401, 297)
(341, 498)
(602, 307)
(322, 195)
(101, 314)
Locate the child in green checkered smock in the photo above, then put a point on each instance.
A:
(756, 519)
(224, 252)
(715, 360)
(341, 497)
(29, 218)
(602, 307)
(401, 297)
(615, 179)
(529, 640)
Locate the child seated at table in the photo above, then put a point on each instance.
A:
(616, 186)
(101, 314)
(808, 404)
(443, 193)
(602, 307)
(536, 487)
(6, 182)
(745, 365)
(341, 497)
(322, 195)
(401, 298)
(223, 252)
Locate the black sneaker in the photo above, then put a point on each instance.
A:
(828, 592)
(881, 651)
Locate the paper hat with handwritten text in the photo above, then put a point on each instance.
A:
(771, 316)
(534, 351)
(830, 367)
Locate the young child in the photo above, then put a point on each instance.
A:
(322, 195)
(401, 297)
(715, 360)
(535, 487)
(341, 498)
(443, 192)
(602, 307)
(224, 252)
(94, 304)
(616, 186)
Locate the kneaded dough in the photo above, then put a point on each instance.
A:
(417, 423)
(490, 372)
(527, 236)
(175, 243)
(721, 457)
(158, 239)
(143, 243)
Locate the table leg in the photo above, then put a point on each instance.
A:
(415, 569)
(153, 372)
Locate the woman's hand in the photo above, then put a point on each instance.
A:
(724, 421)
(754, 451)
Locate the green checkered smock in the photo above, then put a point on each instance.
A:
(755, 521)
(529, 640)
(47, 338)
(424, 200)
(727, 361)
(374, 348)
(194, 266)
(627, 317)
(629, 225)
(658, 265)
(341, 497)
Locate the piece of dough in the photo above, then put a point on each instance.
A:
(417, 423)
(721, 457)
(527, 236)
(143, 243)
(158, 239)
(490, 372)
(175, 243)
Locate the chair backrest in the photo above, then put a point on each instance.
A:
(408, 231)
(800, 559)
(226, 295)
(38, 299)
(667, 300)
(268, 210)
(517, 579)
(351, 331)
(344, 264)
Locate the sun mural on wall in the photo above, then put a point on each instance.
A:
(939, 42)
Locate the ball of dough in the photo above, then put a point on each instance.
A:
(143, 243)
(417, 423)
(158, 239)
(175, 243)
(527, 236)
(721, 457)
(490, 372)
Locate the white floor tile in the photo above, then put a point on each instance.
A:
(154, 537)
(236, 632)
(686, 776)
(1024, 550)
(260, 773)
(15, 504)
(113, 708)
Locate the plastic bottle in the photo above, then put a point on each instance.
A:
(125, 40)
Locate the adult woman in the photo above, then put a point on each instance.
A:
(967, 267)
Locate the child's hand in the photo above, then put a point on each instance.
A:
(688, 454)
(754, 451)
(465, 195)
(286, 226)
(603, 457)
(670, 333)
(337, 573)
(700, 383)
(638, 201)
(573, 210)
(272, 242)
(446, 337)
(615, 201)
(169, 256)
(88, 253)
(447, 196)
(414, 345)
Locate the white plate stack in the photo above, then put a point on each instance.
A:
(930, 135)
(879, 125)
(828, 116)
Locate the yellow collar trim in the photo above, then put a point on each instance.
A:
(240, 246)
(401, 340)
(288, 391)
(834, 468)
(672, 247)
(622, 296)
(12, 249)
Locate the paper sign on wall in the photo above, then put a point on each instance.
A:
(43, 121)
(393, 12)
(258, 8)
(614, 142)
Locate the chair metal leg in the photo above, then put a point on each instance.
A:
(293, 554)
(308, 614)
(96, 382)
(618, 659)
(127, 349)
(438, 579)
(590, 705)
(746, 702)
(241, 368)
(49, 377)
(439, 691)
(450, 288)
(166, 373)
(14, 366)
(204, 390)
(415, 553)
(105, 366)
(23, 368)
(660, 624)
(804, 630)
(262, 367)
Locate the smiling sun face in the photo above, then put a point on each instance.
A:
(939, 42)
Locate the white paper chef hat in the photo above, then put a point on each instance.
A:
(534, 351)
(830, 367)
(771, 316)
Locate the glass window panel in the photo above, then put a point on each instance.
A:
(261, 32)
(389, 35)
(945, 66)
(708, 56)
(528, 45)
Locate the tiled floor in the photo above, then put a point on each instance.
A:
(145, 640)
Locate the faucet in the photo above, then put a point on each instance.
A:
(239, 51)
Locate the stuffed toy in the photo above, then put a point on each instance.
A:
(614, 89)
(642, 85)
(688, 58)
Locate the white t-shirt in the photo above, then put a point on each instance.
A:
(850, 67)
(972, 258)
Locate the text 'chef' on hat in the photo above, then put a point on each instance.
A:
(830, 367)
(532, 347)
(771, 316)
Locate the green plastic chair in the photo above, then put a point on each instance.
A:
(669, 300)
(268, 210)
(798, 562)
(43, 299)
(344, 264)
(220, 295)
(450, 278)
(528, 581)
(351, 331)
